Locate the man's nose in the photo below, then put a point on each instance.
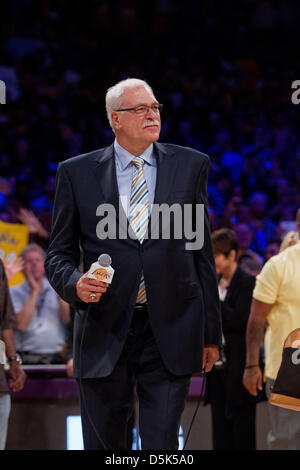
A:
(151, 113)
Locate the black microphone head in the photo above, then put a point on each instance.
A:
(104, 260)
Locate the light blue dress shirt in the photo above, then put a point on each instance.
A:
(45, 334)
(125, 171)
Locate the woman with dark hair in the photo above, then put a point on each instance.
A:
(233, 408)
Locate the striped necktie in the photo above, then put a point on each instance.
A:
(139, 213)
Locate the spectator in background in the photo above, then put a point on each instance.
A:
(264, 229)
(286, 223)
(18, 377)
(35, 227)
(281, 197)
(244, 234)
(233, 409)
(232, 212)
(250, 266)
(41, 315)
(244, 214)
(272, 249)
(290, 239)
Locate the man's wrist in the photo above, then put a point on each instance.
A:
(35, 291)
(14, 359)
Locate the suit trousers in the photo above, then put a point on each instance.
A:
(107, 403)
(234, 427)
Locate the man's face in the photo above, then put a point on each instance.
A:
(34, 265)
(136, 132)
(244, 236)
(272, 250)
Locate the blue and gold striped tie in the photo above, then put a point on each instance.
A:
(139, 213)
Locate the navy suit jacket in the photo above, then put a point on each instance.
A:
(181, 285)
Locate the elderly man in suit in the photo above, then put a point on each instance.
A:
(159, 320)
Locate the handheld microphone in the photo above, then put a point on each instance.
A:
(101, 269)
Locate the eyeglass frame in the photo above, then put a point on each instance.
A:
(159, 105)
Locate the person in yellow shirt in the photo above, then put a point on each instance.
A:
(275, 312)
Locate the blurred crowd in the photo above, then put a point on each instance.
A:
(224, 88)
(223, 71)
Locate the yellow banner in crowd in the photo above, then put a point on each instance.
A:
(13, 239)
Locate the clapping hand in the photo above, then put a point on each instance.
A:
(35, 285)
(13, 268)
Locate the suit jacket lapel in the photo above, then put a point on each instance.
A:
(104, 170)
(166, 169)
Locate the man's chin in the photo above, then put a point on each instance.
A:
(153, 134)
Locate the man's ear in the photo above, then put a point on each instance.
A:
(115, 119)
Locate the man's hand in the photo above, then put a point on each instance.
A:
(12, 268)
(210, 356)
(85, 287)
(18, 377)
(69, 367)
(252, 380)
(35, 285)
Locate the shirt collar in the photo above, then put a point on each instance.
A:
(123, 157)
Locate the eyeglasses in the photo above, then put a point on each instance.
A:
(144, 109)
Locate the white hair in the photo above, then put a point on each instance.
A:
(114, 95)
